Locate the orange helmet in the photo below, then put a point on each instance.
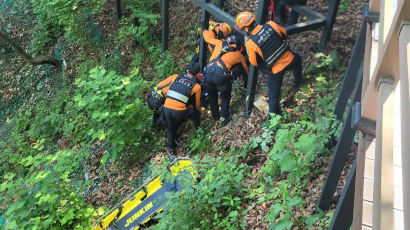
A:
(244, 19)
(225, 29)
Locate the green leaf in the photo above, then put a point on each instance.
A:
(273, 212)
(105, 157)
(283, 224)
(9, 176)
(12, 225)
(288, 162)
(294, 201)
(100, 211)
(265, 147)
(233, 213)
(311, 220)
(4, 186)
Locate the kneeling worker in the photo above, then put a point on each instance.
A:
(268, 49)
(182, 103)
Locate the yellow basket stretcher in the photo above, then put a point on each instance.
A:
(139, 207)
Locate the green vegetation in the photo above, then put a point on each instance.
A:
(59, 17)
(214, 202)
(141, 14)
(44, 196)
(218, 200)
(99, 116)
(115, 110)
(44, 183)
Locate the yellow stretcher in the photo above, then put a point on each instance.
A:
(139, 207)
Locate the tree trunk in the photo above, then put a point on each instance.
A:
(32, 60)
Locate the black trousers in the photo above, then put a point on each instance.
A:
(217, 80)
(280, 10)
(174, 119)
(274, 82)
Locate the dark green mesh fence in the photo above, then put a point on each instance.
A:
(31, 83)
(4, 3)
(21, 84)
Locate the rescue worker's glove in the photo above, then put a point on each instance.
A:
(212, 25)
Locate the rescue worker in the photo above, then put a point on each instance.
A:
(216, 34)
(218, 75)
(281, 14)
(216, 30)
(216, 39)
(267, 48)
(182, 103)
(156, 99)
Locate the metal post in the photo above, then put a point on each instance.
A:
(165, 25)
(253, 72)
(343, 217)
(353, 68)
(119, 10)
(203, 45)
(351, 73)
(330, 21)
(340, 153)
(221, 4)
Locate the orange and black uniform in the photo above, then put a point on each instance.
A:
(182, 103)
(209, 36)
(156, 99)
(165, 84)
(270, 37)
(218, 75)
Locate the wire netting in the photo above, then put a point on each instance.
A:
(22, 85)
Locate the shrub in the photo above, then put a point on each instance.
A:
(212, 203)
(44, 197)
(163, 62)
(200, 141)
(328, 63)
(140, 25)
(114, 106)
(61, 17)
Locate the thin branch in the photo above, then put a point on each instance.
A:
(32, 60)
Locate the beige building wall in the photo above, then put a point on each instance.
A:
(382, 196)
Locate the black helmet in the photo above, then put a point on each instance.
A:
(193, 68)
